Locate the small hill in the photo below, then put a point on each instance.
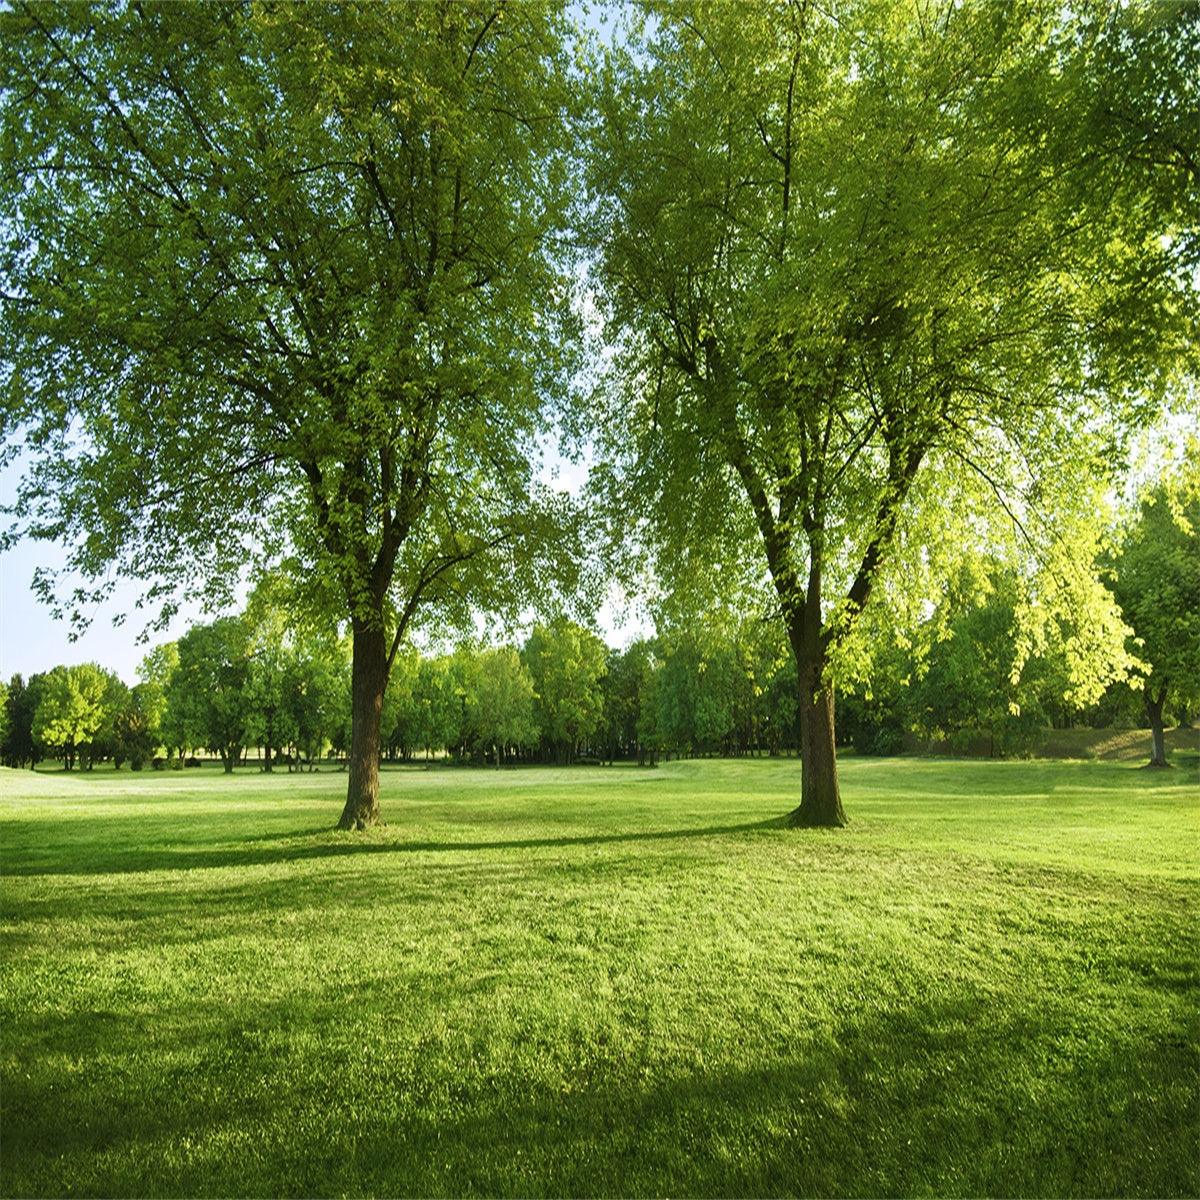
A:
(1116, 745)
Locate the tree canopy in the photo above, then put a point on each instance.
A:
(856, 257)
(284, 282)
(295, 289)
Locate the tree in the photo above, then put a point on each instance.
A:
(155, 672)
(855, 255)
(624, 674)
(283, 282)
(567, 663)
(20, 705)
(1156, 580)
(439, 706)
(401, 732)
(271, 667)
(973, 681)
(136, 724)
(502, 707)
(649, 722)
(74, 705)
(106, 742)
(210, 698)
(316, 680)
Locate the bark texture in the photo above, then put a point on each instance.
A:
(368, 679)
(1154, 710)
(820, 795)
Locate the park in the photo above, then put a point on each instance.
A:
(599, 599)
(603, 981)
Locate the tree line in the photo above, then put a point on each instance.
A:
(715, 684)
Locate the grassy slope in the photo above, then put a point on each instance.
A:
(603, 981)
(1120, 745)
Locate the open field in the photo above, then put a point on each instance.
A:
(603, 981)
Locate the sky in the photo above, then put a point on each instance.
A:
(31, 640)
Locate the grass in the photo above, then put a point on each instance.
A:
(1123, 745)
(603, 981)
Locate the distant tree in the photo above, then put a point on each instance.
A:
(973, 683)
(136, 725)
(768, 689)
(567, 663)
(676, 693)
(1156, 580)
(438, 704)
(622, 683)
(74, 705)
(154, 672)
(105, 742)
(698, 689)
(209, 698)
(272, 663)
(318, 677)
(19, 746)
(464, 667)
(502, 707)
(720, 684)
(651, 739)
(782, 705)
(400, 723)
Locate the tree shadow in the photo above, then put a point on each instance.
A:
(965, 1094)
(305, 844)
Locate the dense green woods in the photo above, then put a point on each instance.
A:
(855, 309)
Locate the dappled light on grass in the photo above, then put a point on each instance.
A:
(603, 981)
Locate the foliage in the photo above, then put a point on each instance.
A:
(268, 687)
(209, 698)
(317, 680)
(622, 685)
(285, 284)
(136, 725)
(401, 708)
(1156, 580)
(567, 664)
(440, 707)
(501, 714)
(20, 705)
(75, 705)
(855, 259)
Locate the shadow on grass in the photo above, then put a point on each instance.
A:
(963, 1094)
(265, 849)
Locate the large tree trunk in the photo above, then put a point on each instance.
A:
(820, 797)
(368, 679)
(1154, 710)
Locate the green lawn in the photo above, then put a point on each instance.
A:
(603, 981)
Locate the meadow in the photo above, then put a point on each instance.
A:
(603, 981)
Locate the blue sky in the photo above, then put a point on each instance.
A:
(32, 640)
